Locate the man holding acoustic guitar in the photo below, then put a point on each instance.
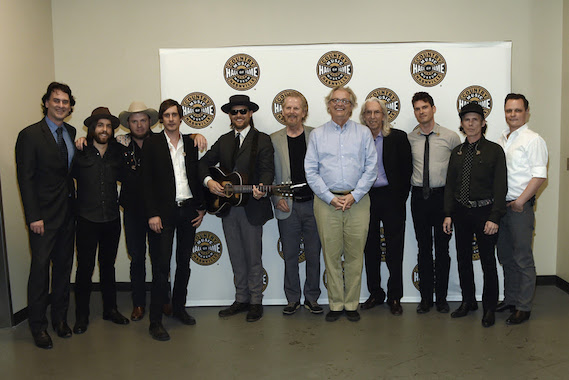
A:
(248, 152)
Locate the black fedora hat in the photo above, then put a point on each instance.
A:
(239, 100)
(471, 107)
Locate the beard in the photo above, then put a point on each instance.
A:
(102, 140)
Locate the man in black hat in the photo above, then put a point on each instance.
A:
(97, 169)
(475, 200)
(44, 154)
(246, 150)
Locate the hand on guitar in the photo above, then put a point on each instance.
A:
(256, 193)
(282, 205)
(215, 188)
(155, 224)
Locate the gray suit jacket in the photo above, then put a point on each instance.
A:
(282, 165)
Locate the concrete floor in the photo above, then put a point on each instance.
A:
(304, 346)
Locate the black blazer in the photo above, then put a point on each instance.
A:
(158, 177)
(46, 184)
(258, 211)
(398, 162)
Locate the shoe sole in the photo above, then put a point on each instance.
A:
(254, 320)
(313, 311)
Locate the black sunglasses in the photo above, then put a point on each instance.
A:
(242, 111)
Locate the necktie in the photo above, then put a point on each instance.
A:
(465, 180)
(61, 144)
(236, 145)
(426, 183)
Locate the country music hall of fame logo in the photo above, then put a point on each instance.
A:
(301, 254)
(241, 72)
(428, 68)
(476, 94)
(279, 100)
(207, 248)
(391, 101)
(198, 110)
(334, 69)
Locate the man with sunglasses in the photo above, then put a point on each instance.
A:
(341, 167)
(249, 152)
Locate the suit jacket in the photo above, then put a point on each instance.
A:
(282, 165)
(46, 184)
(398, 162)
(158, 177)
(258, 211)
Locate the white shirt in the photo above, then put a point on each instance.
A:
(178, 155)
(526, 158)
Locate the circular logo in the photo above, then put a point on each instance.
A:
(415, 277)
(301, 254)
(198, 109)
(334, 69)
(241, 72)
(265, 280)
(391, 99)
(475, 250)
(207, 248)
(476, 94)
(428, 68)
(325, 278)
(278, 103)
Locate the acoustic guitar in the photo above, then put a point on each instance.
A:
(234, 191)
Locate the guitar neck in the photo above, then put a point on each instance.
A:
(247, 189)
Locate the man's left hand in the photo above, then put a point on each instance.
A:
(256, 193)
(198, 219)
(348, 201)
(490, 228)
(199, 141)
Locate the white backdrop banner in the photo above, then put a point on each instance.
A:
(204, 79)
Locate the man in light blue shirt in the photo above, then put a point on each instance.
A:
(341, 166)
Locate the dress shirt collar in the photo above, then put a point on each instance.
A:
(180, 141)
(514, 133)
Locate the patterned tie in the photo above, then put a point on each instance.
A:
(465, 180)
(236, 145)
(62, 146)
(426, 182)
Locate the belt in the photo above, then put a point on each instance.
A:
(433, 190)
(345, 192)
(480, 203)
(306, 198)
(531, 200)
(184, 203)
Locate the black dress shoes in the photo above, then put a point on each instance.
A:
(115, 317)
(62, 329)
(80, 325)
(42, 340)
(488, 319)
(443, 307)
(158, 331)
(518, 317)
(395, 307)
(463, 310)
(235, 308)
(333, 316)
(424, 306)
(353, 316)
(255, 313)
(184, 317)
(502, 306)
(372, 301)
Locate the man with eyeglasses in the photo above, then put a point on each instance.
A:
(250, 153)
(341, 166)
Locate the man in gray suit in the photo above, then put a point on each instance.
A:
(296, 215)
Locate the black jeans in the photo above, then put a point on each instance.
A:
(467, 222)
(89, 236)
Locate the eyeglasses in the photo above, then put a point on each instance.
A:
(343, 101)
(242, 111)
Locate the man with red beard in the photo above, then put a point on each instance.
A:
(97, 169)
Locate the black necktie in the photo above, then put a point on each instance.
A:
(465, 180)
(62, 146)
(426, 183)
(236, 145)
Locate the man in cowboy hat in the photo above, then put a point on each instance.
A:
(174, 203)
(44, 154)
(97, 169)
(246, 150)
